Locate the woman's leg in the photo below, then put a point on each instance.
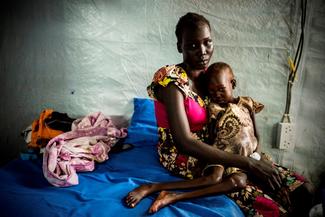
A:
(134, 197)
(231, 183)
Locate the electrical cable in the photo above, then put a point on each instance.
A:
(301, 41)
(296, 62)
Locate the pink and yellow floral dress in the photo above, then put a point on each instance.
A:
(169, 156)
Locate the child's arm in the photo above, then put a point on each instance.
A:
(213, 112)
(263, 156)
(212, 131)
(252, 114)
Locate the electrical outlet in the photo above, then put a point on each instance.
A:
(286, 136)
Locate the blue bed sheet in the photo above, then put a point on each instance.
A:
(24, 192)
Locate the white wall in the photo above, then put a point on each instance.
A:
(83, 56)
(309, 152)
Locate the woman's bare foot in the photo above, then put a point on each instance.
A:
(134, 197)
(164, 198)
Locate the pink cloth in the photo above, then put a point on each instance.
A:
(266, 207)
(90, 140)
(196, 115)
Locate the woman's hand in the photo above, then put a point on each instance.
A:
(266, 172)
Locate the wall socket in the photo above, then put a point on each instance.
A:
(286, 136)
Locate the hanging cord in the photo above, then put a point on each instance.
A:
(295, 64)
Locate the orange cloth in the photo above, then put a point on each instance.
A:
(41, 133)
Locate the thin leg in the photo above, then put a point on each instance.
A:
(134, 197)
(231, 183)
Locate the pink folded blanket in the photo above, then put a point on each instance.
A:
(89, 141)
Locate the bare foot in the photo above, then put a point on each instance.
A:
(164, 198)
(134, 197)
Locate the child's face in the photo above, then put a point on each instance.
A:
(220, 87)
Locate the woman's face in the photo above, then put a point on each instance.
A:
(197, 47)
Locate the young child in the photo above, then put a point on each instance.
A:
(232, 125)
(231, 128)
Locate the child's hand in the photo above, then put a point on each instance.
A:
(266, 157)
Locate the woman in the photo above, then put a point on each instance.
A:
(181, 115)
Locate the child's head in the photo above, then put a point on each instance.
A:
(220, 83)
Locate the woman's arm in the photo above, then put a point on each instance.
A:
(173, 100)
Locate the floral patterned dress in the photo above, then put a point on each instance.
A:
(252, 200)
(231, 128)
(169, 156)
(233, 131)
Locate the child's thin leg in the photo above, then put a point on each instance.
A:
(231, 183)
(134, 197)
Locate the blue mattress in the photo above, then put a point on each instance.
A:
(25, 192)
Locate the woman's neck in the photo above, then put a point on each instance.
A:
(195, 77)
(193, 74)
